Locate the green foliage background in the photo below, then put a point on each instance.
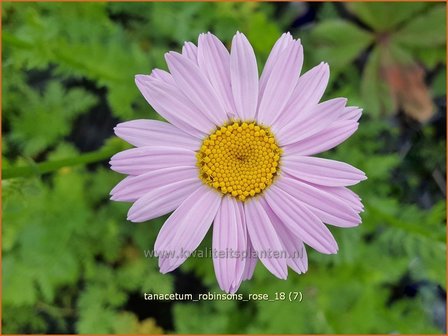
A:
(71, 261)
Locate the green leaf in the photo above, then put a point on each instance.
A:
(426, 30)
(382, 16)
(431, 57)
(190, 317)
(329, 47)
(439, 84)
(125, 323)
(99, 50)
(375, 92)
(18, 286)
(45, 119)
(17, 319)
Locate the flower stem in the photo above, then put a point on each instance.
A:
(38, 169)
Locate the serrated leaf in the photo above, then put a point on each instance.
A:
(125, 323)
(18, 287)
(44, 119)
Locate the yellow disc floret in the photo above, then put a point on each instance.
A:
(239, 159)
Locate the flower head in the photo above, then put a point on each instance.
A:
(237, 152)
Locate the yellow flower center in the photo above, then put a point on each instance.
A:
(239, 159)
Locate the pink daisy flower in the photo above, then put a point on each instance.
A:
(237, 152)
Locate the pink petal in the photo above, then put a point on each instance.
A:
(229, 241)
(184, 230)
(132, 188)
(190, 51)
(280, 85)
(351, 113)
(162, 200)
(250, 262)
(330, 137)
(244, 77)
(171, 104)
(294, 247)
(264, 238)
(163, 75)
(137, 161)
(301, 221)
(322, 171)
(328, 208)
(282, 43)
(306, 95)
(347, 196)
(308, 124)
(155, 133)
(193, 83)
(298, 259)
(326, 139)
(214, 62)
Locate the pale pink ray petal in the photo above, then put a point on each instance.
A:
(132, 188)
(250, 261)
(155, 133)
(264, 239)
(190, 51)
(162, 200)
(281, 44)
(244, 77)
(214, 62)
(322, 171)
(328, 208)
(193, 83)
(346, 195)
(163, 75)
(297, 258)
(306, 95)
(301, 221)
(281, 83)
(326, 139)
(351, 113)
(229, 241)
(186, 227)
(320, 117)
(140, 160)
(171, 104)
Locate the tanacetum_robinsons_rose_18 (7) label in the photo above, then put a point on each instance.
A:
(237, 153)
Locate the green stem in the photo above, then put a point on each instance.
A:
(50, 166)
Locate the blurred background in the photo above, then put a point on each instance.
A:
(73, 264)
